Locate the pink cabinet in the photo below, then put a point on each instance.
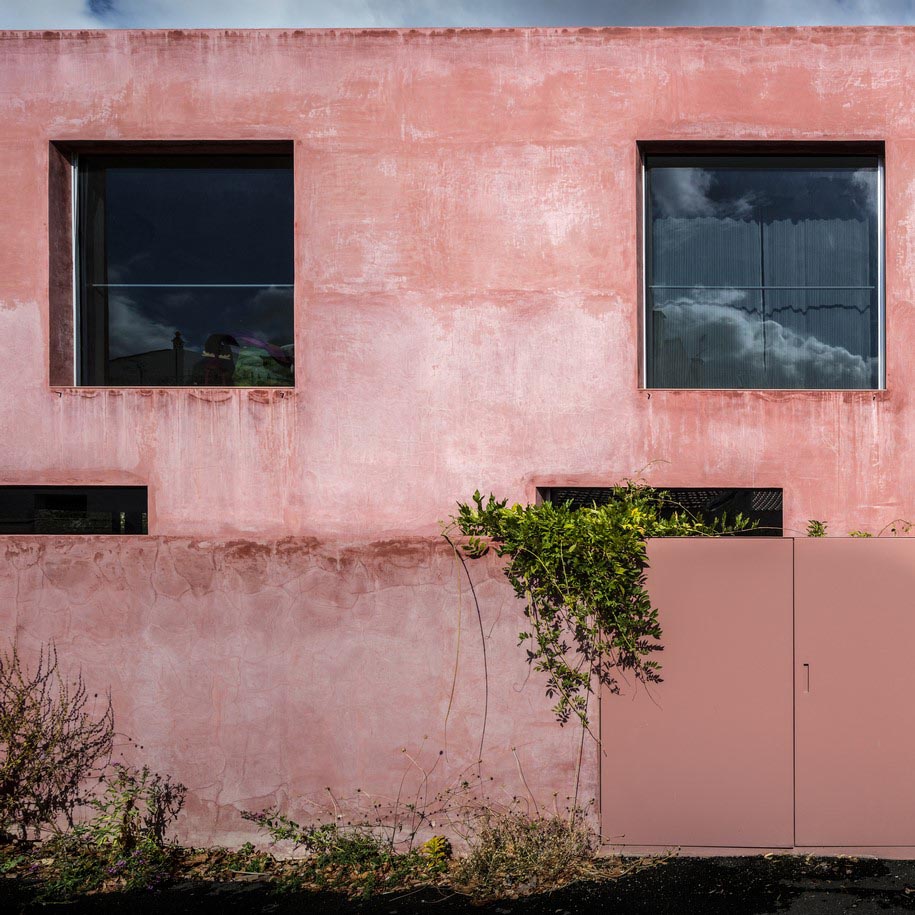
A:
(706, 757)
(787, 712)
(855, 692)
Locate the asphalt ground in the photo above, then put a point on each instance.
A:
(679, 886)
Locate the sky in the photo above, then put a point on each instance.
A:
(77, 14)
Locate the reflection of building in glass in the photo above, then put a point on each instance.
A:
(186, 269)
(219, 364)
(73, 509)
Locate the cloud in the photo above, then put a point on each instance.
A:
(130, 331)
(685, 192)
(818, 192)
(714, 345)
(418, 13)
(47, 14)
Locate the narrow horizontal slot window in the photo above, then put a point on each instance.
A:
(73, 510)
(762, 506)
(185, 270)
(763, 272)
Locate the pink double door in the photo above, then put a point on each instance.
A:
(787, 712)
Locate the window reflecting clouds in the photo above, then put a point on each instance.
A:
(763, 272)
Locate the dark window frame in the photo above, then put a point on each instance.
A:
(762, 153)
(65, 315)
(75, 505)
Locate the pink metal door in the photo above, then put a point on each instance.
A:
(706, 759)
(855, 691)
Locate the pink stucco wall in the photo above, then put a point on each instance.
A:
(265, 672)
(466, 275)
(466, 316)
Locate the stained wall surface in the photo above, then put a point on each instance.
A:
(467, 315)
(467, 280)
(266, 672)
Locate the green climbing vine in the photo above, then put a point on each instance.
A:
(581, 575)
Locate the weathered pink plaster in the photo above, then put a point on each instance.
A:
(466, 278)
(467, 315)
(264, 672)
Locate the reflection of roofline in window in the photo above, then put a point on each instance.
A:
(128, 320)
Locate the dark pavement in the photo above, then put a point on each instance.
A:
(679, 886)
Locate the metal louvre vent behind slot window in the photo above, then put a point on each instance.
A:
(764, 506)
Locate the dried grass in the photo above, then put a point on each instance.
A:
(514, 854)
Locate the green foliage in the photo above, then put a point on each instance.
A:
(437, 850)
(280, 827)
(514, 854)
(137, 806)
(897, 528)
(50, 743)
(247, 859)
(351, 858)
(76, 866)
(11, 862)
(581, 574)
(123, 846)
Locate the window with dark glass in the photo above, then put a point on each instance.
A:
(763, 272)
(761, 506)
(73, 510)
(185, 270)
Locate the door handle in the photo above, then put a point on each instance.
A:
(806, 678)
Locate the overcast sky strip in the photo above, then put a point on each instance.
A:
(75, 14)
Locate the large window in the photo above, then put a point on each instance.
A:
(185, 270)
(763, 272)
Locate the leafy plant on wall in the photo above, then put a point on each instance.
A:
(816, 528)
(581, 575)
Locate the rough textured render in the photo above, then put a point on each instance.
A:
(266, 672)
(467, 315)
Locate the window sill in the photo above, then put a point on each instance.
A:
(263, 395)
(780, 393)
(60, 536)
